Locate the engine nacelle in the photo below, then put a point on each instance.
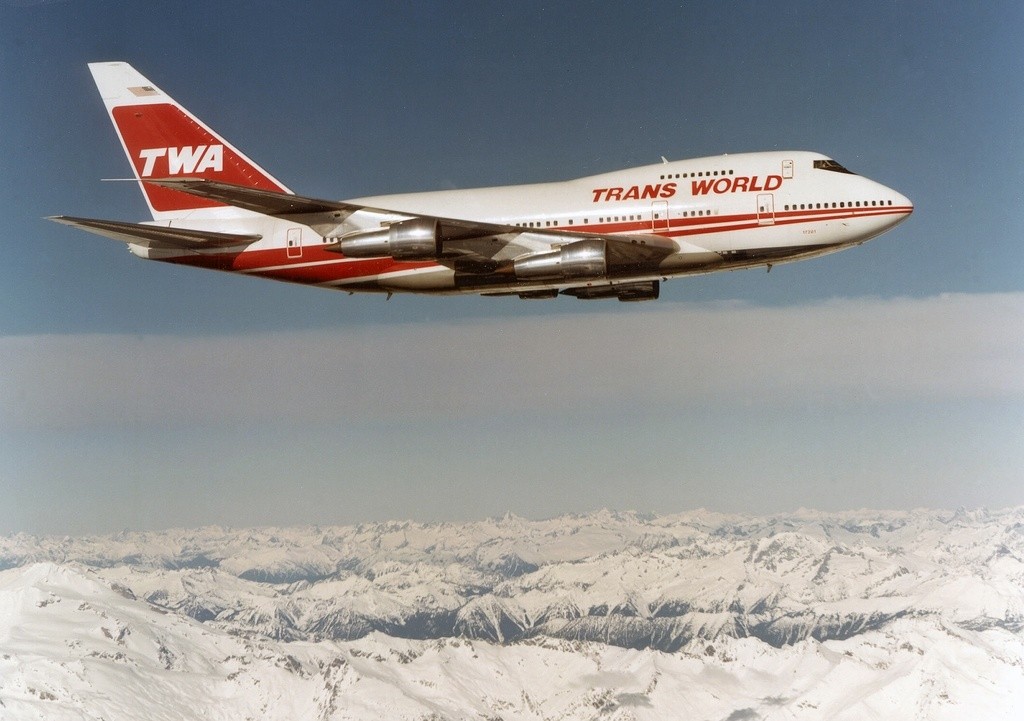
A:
(582, 259)
(415, 239)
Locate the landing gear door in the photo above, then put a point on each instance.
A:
(766, 209)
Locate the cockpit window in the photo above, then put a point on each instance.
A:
(831, 165)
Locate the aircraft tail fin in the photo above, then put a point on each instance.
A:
(164, 140)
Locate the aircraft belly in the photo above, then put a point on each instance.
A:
(690, 261)
(420, 280)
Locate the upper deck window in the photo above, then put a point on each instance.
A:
(831, 165)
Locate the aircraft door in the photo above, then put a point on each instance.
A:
(659, 215)
(766, 209)
(294, 242)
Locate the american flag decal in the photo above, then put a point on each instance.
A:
(143, 91)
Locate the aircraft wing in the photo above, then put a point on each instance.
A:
(156, 236)
(467, 240)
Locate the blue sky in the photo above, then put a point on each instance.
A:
(140, 395)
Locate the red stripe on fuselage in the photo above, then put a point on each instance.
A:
(706, 224)
(315, 265)
(318, 266)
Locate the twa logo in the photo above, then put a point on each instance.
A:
(186, 160)
(739, 184)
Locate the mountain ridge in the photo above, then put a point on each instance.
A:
(621, 578)
(611, 615)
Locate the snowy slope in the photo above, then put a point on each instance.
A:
(623, 579)
(610, 615)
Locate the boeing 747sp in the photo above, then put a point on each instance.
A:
(615, 235)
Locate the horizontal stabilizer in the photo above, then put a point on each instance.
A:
(156, 236)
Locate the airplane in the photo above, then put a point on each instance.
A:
(613, 235)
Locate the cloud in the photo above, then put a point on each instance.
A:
(834, 352)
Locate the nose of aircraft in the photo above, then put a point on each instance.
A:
(896, 208)
(903, 203)
(900, 206)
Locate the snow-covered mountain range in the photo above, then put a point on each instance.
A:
(808, 615)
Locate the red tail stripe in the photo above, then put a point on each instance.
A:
(162, 141)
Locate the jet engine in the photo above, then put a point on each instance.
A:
(582, 259)
(414, 239)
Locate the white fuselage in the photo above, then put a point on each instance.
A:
(616, 234)
(714, 213)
